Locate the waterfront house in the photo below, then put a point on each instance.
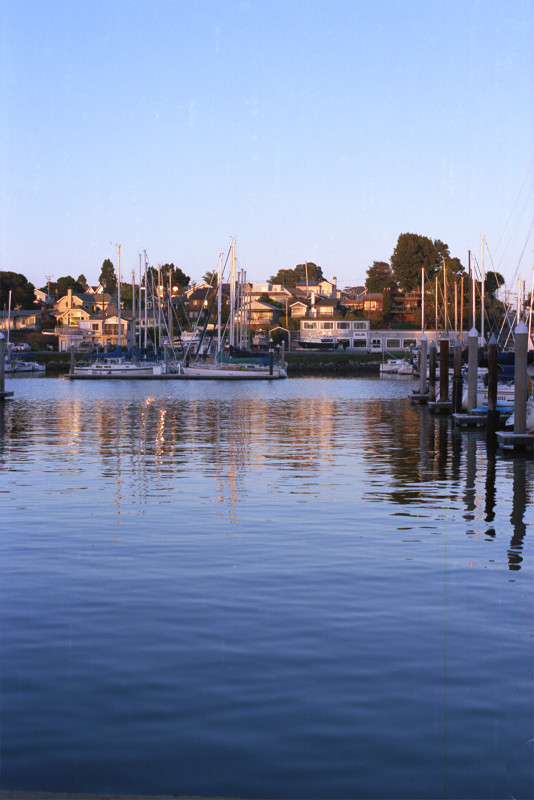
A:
(20, 320)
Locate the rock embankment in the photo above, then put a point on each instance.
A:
(328, 365)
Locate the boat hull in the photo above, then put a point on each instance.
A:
(128, 371)
(233, 373)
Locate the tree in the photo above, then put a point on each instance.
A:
(67, 282)
(285, 277)
(178, 278)
(412, 254)
(210, 276)
(492, 283)
(309, 272)
(302, 272)
(107, 275)
(82, 280)
(379, 277)
(22, 291)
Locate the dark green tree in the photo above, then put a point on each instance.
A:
(210, 277)
(285, 277)
(22, 291)
(379, 277)
(82, 280)
(492, 283)
(412, 254)
(290, 277)
(67, 282)
(310, 272)
(178, 278)
(107, 276)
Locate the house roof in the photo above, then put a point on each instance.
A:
(324, 301)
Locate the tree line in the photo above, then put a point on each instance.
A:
(412, 254)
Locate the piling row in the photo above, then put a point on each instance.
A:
(489, 417)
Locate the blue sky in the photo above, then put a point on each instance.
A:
(312, 130)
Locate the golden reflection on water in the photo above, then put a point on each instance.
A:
(393, 451)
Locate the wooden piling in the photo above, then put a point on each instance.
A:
(432, 372)
(472, 368)
(492, 417)
(423, 364)
(457, 380)
(444, 369)
(520, 378)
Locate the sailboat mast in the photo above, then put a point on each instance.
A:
(455, 309)
(232, 296)
(461, 309)
(169, 311)
(445, 297)
(219, 301)
(482, 293)
(119, 293)
(140, 302)
(422, 301)
(530, 314)
(472, 279)
(8, 319)
(146, 302)
(134, 336)
(159, 296)
(436, 308)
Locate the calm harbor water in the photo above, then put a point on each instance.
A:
(304, 589)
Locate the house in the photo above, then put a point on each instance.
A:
(92, 303)
(324, 288)
(404, 305)
(196, 299)
(260, 313)
(368, 303)
(325, 307)
(299, 308)
(20, 320)
(276, 292)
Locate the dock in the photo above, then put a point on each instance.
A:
(515, 441)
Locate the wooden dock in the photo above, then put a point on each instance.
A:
(515, 441)
(440, 407)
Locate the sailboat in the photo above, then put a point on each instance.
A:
(13, 363)
(118, 364)
(230, 367)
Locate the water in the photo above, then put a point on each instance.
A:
(304, 589)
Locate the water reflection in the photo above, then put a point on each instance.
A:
(517, 517)
(153, 448)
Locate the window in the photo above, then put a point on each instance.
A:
(393, 344)
(359, 343)
(409, 342)
(328, 325)
(360, 326)
(343, 326)
(310, 326)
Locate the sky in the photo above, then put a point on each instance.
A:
(311, 130)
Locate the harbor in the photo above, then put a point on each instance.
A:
(207, 585)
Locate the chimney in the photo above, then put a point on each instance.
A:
(334, 288)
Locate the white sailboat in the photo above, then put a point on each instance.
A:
(222, 367)
(13, 363)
